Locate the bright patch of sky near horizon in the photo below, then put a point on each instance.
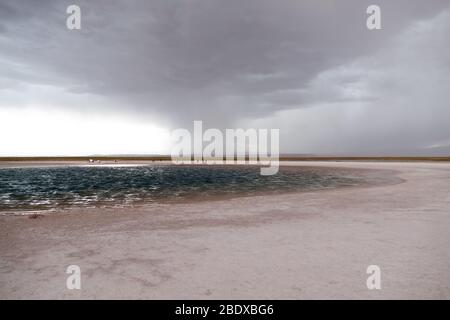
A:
(37, 131)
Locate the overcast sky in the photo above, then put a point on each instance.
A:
(138, 69)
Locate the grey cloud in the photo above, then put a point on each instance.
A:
(394, 102)
(218, 61)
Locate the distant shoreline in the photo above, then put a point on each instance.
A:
(168, 158)
(19, 162)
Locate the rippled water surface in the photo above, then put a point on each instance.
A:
(36, 189)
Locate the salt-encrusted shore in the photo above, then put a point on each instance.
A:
(292, 246)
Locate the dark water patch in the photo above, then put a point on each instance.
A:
(41, 189)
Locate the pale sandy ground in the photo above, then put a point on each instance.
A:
(295, 246)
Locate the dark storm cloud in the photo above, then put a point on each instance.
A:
(218, 61)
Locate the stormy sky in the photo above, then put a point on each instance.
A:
(138, 69)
